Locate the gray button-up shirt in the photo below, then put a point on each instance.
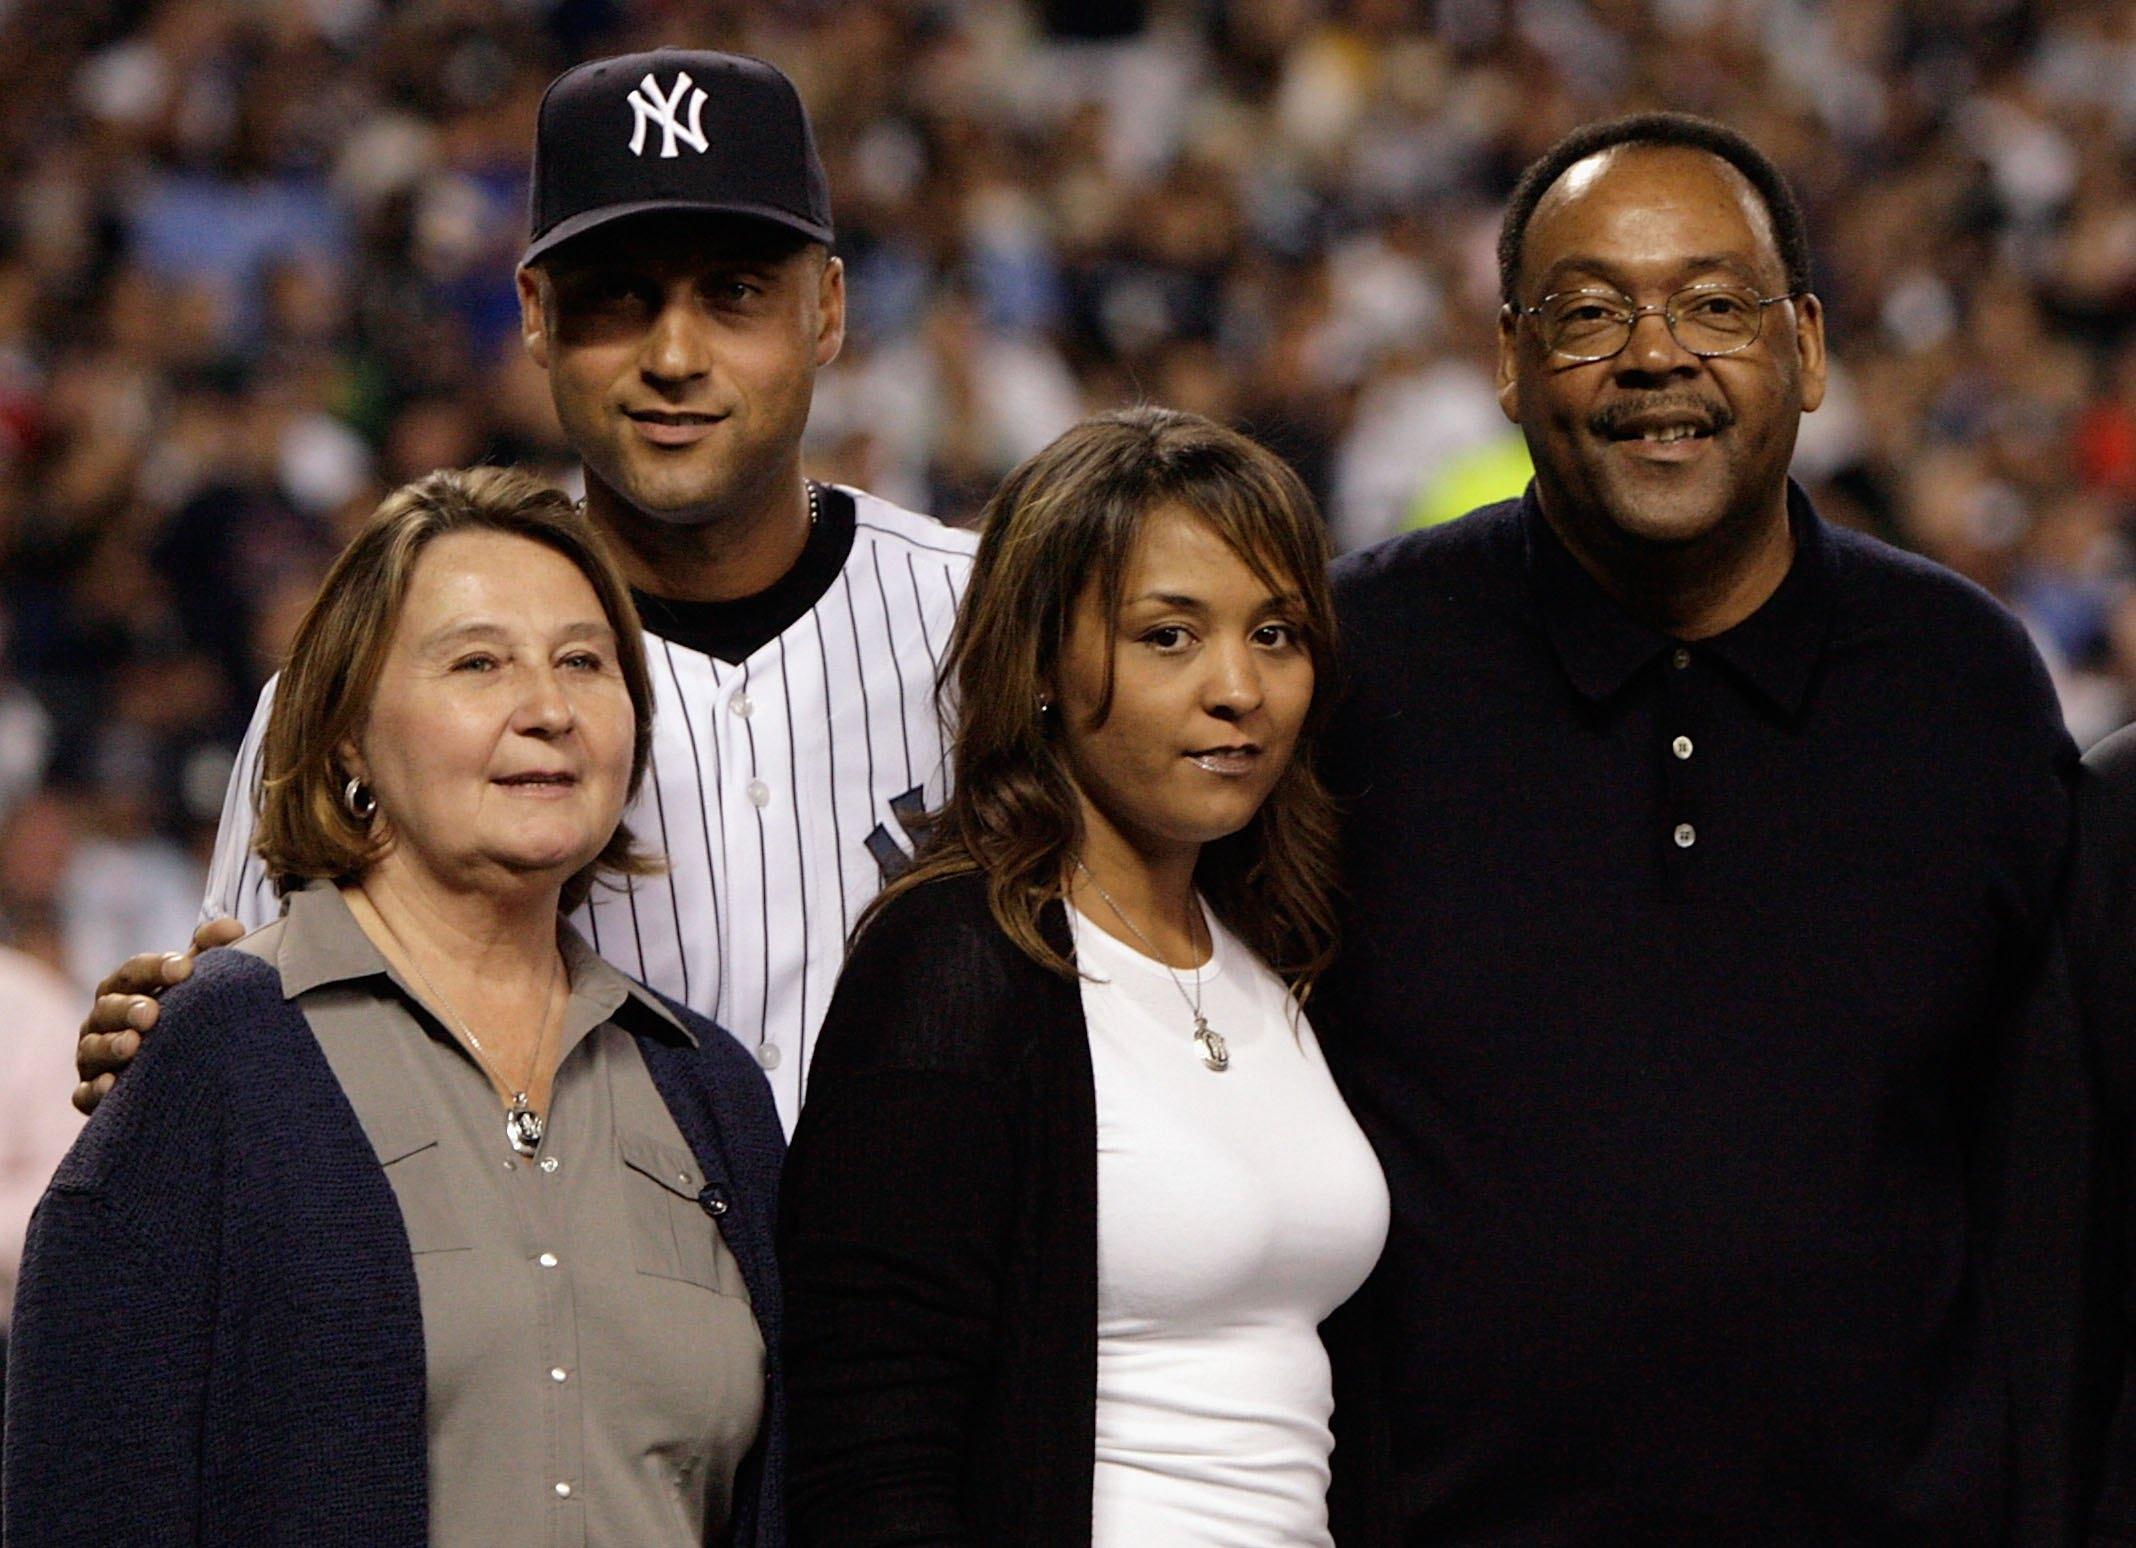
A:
(595, 1373)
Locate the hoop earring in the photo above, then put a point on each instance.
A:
(357, 797)
(1044, 704)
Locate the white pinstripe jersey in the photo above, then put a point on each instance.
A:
(781, 788)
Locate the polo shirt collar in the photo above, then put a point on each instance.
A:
(323, 944)
(1601, 647)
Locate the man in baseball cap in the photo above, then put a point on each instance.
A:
(679, 290)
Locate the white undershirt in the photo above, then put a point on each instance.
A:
(1235, 1211)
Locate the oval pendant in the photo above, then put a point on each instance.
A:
(522, 1130)
(1215, 1054)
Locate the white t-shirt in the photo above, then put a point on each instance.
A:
(781, 791)
(1236, 1209)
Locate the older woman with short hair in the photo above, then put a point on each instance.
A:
(418, 1221)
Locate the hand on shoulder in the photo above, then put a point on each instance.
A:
(126, 1009)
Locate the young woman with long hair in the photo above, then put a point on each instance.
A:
(1072, 1190)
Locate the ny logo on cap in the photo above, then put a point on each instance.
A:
(647, 106)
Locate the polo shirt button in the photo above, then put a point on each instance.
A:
(742, 705)
(1686, 835)
(1681, 747)
(548, 1163)
(759, 793)
(563, 1491)
(547, 1260)
(1681, 659)
(768, 1055)
(558, 1373)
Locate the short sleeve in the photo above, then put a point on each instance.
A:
(237, 882)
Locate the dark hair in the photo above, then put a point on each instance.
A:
(1064, 521)
(1657, 129)
(340, 648)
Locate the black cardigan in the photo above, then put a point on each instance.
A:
(939, 1234)
(940, 1248)
(218, 1337)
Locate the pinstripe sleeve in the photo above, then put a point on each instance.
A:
(237, 882)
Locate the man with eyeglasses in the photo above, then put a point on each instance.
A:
(1699, 857)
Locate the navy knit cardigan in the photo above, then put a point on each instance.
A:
(217, 1334)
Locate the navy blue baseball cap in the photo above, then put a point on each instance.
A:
(675, 129)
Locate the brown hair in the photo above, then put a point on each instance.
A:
(325, 691)
(1066, 519)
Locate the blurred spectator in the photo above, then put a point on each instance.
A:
(37, 847)
(36, 1072)
(130, 881)
(25, 737)
(255, 267)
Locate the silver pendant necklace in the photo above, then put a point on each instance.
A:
(522, 1125)
(1215, 1053)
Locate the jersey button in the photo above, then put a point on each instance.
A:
(759, 793)
(768, 1055)
(742, 705)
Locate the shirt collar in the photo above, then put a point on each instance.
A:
(734, 631)
(323, 944)
(1601, 647)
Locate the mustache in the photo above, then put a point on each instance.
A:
(1612, 417)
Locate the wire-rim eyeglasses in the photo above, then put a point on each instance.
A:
(1707, 320)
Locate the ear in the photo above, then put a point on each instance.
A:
(1508, 370)
(830, 311)
(1810, 349)
(533, 316)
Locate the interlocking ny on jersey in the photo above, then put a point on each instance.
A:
(795, 739)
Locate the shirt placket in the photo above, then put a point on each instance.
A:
(1685, 812)
(539, 1194)
(762, 886)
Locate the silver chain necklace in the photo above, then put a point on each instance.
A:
(1215, 1053)
(522, 1125)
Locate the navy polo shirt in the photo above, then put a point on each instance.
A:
(1675, 975)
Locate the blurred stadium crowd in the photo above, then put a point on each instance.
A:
(255, 268)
